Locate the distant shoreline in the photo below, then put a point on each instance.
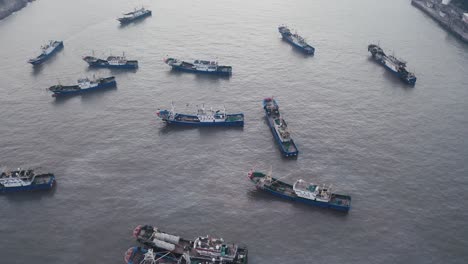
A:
(8, 7)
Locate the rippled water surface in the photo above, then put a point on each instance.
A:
(400, 152)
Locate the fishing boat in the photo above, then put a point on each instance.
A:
(199, 66)
(25, 180)
(137, 14)
(201, 248)
(393, 64)
(279, 128)
(112, 62)
(295, 40)
(84, 85)
(47, 51)
(203, 118)
(301, 191)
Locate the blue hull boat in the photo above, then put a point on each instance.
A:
(279, 128)
(25, 180)
(203, 118)
(295, 40)
(84, 85)
(47, 52)
(302, 192)
(391, 63)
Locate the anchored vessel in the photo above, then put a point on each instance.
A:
(25, 180)
(295, 40)
(301, 191)
(116, 62)
(205, 248)
(203, 118)
(279, 128)
(396, 66)
(47, 51)
(84, 85)
(135, 15)
(199, 66)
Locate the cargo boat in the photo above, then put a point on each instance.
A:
(394, 65)
(47, 51)
(135, 15)
(84, 85)
(279, 128)
(25, 180)
(203, 118)
(295, 40)
(112, 62)
(202, 248)
(301, 191)
(199, 66)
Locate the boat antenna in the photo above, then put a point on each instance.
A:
(172, 107)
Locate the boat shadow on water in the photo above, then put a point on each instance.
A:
(167, 129)
(133, 23)
(84, 96)
(200, 76)
(27, 196)
(259, 195)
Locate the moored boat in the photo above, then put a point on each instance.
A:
(199, 66)
(393, 64)
(205, 248)
(295, 40)
(47, 51)
(25, 180)
(84, 85)
(112, 62)
(301, 191)
(203, 118)
(134, 15)
(279, 128)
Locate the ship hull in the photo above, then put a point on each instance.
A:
(124, 21)
(295, 198)
(101, 86)
(206, 124)
(397, 74)
(183, 69)
(32, 187)
(281, 145)
(40, 59)
(110, 66)
(299, 47)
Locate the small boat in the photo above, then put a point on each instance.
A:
(84, 85)
(201, 248)
(199, 66)
(301, 191)
(25, 180)
(279, 128)
(112, 62)
(47, 51)
(139, 255)
(135, 15)
(203, 118)
(394, 65)
(295, 40)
